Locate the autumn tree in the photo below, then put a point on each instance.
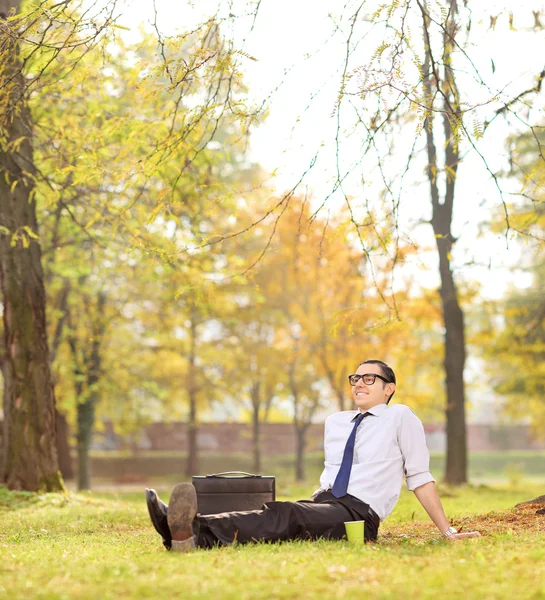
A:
(311, 279)
(430, 81)
(252, 363)
(127, 182)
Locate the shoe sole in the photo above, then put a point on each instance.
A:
(181, 512)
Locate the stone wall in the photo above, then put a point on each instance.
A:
(279, 438)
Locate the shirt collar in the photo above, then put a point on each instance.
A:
(375, 410)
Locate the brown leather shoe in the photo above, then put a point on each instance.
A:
(181, 513)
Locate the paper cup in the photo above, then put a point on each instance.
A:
(354, 531)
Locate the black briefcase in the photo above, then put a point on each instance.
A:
(233, 490)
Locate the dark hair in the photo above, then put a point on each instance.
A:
(387, 371)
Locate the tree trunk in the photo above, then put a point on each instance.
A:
(455, 355)
(192, 464)
(324, 335)
(453, 317)
(86, 421)
(86, 410)
(89, 368)
(63, 446)
(340, 398)
(256, 427)
(29, 453)
(300, 440)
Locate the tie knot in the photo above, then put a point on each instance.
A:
(361, 416)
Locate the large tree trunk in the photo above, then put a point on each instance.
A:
(453, 317)
(29, 453)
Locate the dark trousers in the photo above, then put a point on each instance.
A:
(322, 517)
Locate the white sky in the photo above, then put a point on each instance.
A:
(299, 68)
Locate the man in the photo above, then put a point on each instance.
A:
(367, 453)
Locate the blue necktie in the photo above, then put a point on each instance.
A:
(343, 477)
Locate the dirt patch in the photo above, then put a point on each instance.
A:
(519, 519)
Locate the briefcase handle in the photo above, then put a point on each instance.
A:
(239, 474)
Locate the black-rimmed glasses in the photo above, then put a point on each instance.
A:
(368, 378)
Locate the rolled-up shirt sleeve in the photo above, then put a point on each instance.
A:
(416, 456)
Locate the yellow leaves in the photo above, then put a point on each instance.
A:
(15, 145)
(66, 170)
(378, 12)
(30, 233)
(477, 129)
(377, 54)
(451, 173)
(245, 54)
(511, 20)
(155, 212)
(23, 234)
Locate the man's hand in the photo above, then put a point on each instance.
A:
(463, 536)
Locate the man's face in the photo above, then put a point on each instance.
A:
(367, 396)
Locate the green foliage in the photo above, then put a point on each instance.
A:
(513, 329)
(135, 174)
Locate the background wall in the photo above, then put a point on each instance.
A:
(279, 438)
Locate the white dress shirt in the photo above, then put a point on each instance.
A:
(390, 443)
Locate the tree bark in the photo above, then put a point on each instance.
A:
(441, 221)
(29, 447)
(66, 466)
(455, 355)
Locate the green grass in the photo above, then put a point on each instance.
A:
(99, 545)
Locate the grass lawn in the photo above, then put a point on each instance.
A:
(102, 545)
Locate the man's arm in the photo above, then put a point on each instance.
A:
(416, 459)
(429, 498)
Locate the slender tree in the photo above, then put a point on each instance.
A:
(432, 79)
(443, 78)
